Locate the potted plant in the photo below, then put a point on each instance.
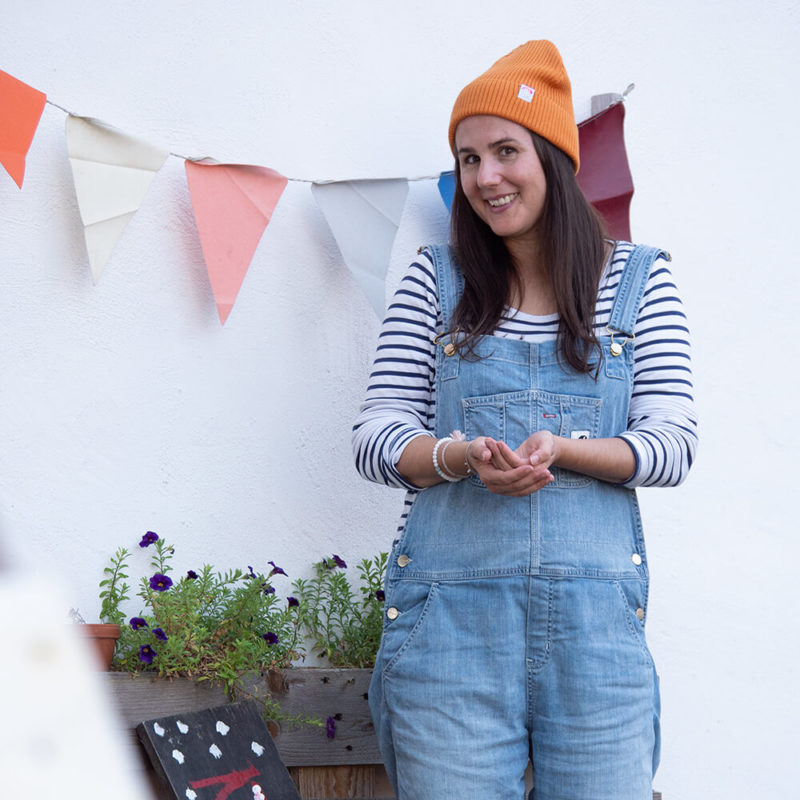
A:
(207, 625)
(223, 635)
(345, 627)
(113, 592)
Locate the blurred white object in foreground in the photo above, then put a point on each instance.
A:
(59, 735)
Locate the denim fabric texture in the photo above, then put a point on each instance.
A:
(514, 627)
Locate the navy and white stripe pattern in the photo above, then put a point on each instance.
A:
(401, 402)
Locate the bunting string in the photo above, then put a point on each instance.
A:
(233, 203)
(411, 179)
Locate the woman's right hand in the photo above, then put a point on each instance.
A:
(503, 471)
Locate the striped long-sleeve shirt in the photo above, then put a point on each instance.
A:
(401, 397)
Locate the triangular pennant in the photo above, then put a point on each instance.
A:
(21, 109)
(447, 187)
(363, 217)
(233, 204)
(112, 172)
(605, 176)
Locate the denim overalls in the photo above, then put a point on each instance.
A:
(514, 627)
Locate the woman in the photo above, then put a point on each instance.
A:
(516, 592)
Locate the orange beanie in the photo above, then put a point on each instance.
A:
(529, 86)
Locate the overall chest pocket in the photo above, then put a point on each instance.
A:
(512, 417)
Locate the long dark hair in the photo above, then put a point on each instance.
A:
(573, 247)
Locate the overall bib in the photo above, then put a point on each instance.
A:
(514, 626)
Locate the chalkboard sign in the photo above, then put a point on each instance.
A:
(223, 753)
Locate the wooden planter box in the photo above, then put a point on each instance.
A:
(347, 766)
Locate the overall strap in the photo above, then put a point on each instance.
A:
(630, 290)
(449, 280)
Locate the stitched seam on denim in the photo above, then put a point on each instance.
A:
(442, 270)
(535, 666)
(564, 481)
(631, 283)
(630, 291)
(636, 629)
(502, 398)
(440, 576)
(641, 548)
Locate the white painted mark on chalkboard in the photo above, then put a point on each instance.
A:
(191, 794)
(257, 748)
(178, 756)
(222, 727)
(158, 729)
(182, 726)
(215, 751)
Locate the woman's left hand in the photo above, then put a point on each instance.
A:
(537, 451)
(606, 459)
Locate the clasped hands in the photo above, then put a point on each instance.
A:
(515, 473)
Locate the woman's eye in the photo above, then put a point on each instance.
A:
(507, 151)
(467, 160)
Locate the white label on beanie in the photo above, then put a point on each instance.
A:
(526, 93)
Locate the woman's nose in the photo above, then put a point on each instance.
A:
(488, 174)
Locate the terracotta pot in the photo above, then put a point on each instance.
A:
(104, 636)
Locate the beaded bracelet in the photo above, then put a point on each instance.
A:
(439, 471)
(443, 462)
(460, 437)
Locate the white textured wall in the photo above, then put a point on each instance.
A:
(126, 407)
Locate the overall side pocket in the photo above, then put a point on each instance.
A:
(408, 605)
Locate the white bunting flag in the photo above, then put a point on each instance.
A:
(363, 217)
(112, 172)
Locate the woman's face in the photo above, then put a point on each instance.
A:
(501, 176)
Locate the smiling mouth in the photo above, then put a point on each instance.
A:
(499, 202)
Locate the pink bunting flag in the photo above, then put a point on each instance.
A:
(233, 204)
(21, 109)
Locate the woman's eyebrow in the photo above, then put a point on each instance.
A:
(506, 140)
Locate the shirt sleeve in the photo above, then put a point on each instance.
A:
(400, 401)
(662, 422)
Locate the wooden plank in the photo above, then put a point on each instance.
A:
(139, 697)
(331, 783)
(337, 693)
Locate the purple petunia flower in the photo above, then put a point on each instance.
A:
(270, 638)
(138, 622)
(159, 634)
(380, 595)
(292, 602)
(339, 561)
(275, 570)
(330, 728)
(268, 589)
(148, 539)
(147, 654)
(191, 575)
(252, 574)
(160, 583)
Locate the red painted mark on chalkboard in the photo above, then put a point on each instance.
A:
(231, 781)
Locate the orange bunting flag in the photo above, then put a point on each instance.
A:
(21, 109)
(233, 204)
